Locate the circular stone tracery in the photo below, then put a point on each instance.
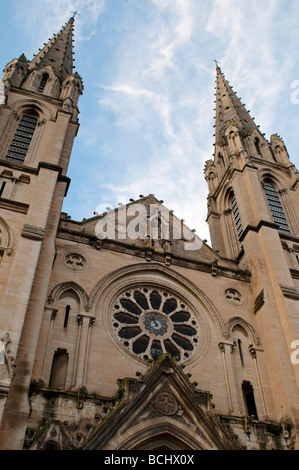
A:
(151, 322)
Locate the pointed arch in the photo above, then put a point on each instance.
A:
(44, 81)
(5, 234)
(166, 435)
(42, 111)
(233, 322)
(58, 290)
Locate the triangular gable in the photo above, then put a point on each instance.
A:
(161, 409)
(144, 224)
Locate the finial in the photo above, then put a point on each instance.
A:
(216, 63)
(75, 13)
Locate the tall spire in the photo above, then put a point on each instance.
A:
(58, 52)
(230, 110)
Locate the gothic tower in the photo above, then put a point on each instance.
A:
(38, 124)
(253, 217)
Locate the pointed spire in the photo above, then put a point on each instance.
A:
(230, 109)
(58, 52)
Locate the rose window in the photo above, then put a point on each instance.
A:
(151, 322)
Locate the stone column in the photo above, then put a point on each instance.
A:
(49, 334)
(227, 350)
(85, 323)
(262, 400)
(291, 215)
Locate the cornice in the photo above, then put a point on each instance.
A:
(213, 268)
(14, 206)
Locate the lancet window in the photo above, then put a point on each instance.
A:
(237, 216)
(43, 82)
(22, 138)
(276, 207)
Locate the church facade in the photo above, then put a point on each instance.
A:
(126, 331)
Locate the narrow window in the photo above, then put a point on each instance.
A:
(2, 353)
(43, 82)
(248, 394)
(241, 352)
(66, 316)
(22, 138)
(59, 369)
(2, 188)
(276, 208)
(237, 216)
(257, 146)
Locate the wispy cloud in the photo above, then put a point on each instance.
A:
(161, 95)
(153, 104)
(147, 110)
(46, 17)
(250, 34)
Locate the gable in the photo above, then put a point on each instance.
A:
(161, 409)
(145, 224)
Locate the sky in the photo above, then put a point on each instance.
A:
(147, 112)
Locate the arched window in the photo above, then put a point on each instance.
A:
(237, 218)
(276, 207)
(43, 82)
(21, 140)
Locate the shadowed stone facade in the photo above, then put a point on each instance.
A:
(154, 341)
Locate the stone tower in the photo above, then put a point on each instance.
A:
(38, 124)
(253, 217)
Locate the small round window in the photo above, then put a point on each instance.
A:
(151, 322)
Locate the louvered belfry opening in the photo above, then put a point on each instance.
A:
(21, 140)
(237, 216)
(43, 82)
(276, 207)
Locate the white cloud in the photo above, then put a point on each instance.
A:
(47, 17)
(153, 127)
(249, 35)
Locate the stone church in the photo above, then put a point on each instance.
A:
(126, 331)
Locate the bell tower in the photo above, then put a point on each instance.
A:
(253, 218)
(38, 125)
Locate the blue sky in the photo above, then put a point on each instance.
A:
(147, 113)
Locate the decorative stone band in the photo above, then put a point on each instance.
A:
(290, 292)
(33, 232)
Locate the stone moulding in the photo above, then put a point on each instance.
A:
(213, 268)
(32, 232)
(290, 292)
